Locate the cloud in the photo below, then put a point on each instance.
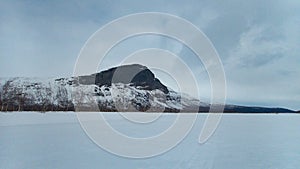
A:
(263, 67)
(257, 47)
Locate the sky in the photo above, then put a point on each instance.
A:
(257, 41)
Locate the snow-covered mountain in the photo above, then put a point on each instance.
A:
(124, 88)
(97, 92)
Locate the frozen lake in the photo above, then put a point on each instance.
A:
(242, 141)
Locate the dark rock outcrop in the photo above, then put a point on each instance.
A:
(136, 75)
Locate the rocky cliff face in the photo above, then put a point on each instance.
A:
(135, 75)
(124, 88)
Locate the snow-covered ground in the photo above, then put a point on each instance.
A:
(242, 141)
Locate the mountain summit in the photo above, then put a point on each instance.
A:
(136, 75)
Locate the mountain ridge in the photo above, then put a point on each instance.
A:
(127, 88)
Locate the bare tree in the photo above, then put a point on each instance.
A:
(5, 95)
(1, 97)
(62, 97)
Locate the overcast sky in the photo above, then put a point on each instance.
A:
(258, 41)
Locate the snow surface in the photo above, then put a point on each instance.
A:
(56, 140)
